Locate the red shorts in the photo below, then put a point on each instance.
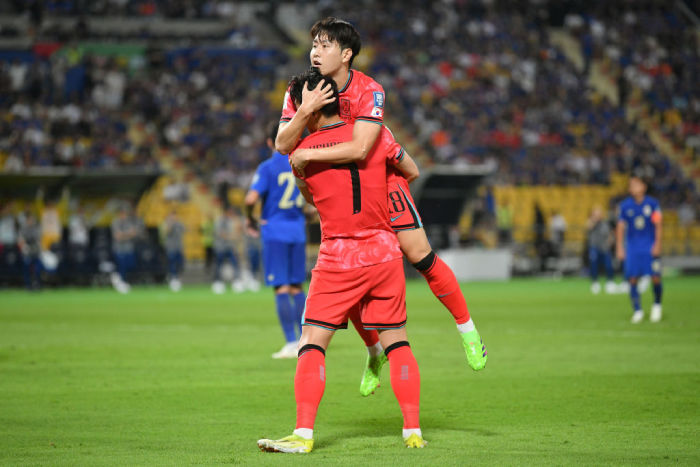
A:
(379, 291)
(402, 210)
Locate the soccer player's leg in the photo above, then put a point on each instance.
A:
(371, 375)
(443, 283)
(655, 271)
(633, 272)
(276, 267)
(297, 275)
(385, 311)
(309, 385)
(593, 256)
(331, 295)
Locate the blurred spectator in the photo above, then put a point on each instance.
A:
(172, 234)
(504, 223)
(50, 226)
(78, 233)
(30, 246)
(125, 231)
(227, 231)
(557, 232)
(600, 239)
(8, 228)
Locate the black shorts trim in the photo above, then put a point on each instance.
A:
(323, 324)
(384, 325)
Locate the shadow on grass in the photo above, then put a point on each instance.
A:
(381, 428)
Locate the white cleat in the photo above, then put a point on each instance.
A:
(637, 317)
(218, 287)
(122, 287)
(610, 288)
(595, 288)
(238, 286)
(175, 285)
(253, 285)
(289, 350)
(655, 315)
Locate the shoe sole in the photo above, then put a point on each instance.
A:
(265, 448)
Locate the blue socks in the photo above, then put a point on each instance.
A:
(658, 290)
(634, 295)
(287, 316)
(299, 305)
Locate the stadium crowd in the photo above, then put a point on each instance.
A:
(473, 82)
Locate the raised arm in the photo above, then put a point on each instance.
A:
(288, 133)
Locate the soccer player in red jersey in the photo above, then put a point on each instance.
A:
(361, 100)
(359, 269)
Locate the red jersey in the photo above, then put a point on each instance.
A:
(362, 98)
(352, 201)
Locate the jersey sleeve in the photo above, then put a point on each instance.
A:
(394, 151)
(621, 212)
(656, 213)
(289, 109)
(371, 104)
(259, 183)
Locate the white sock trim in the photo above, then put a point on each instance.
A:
(411, 431)
(306, 433)
(466, 327)
(375, 350)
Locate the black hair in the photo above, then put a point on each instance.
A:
(313, 76)
(272, 128)
(641, 176)
(342, 32)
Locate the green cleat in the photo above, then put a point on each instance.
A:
(292, 444)
(475, 350)
(414, 441)
(370, 378)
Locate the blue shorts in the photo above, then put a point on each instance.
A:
(284, 263)
(638, 264)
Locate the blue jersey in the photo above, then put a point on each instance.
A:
(640, 219)
(282, 201)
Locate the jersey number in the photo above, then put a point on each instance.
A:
(287, 179)
(396, 202)
(355, 180)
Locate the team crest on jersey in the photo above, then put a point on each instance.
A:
(379, 99)
(646, 210)
(344, 107)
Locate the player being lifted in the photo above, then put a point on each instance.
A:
(640, 219)
(361, 101)
(359, 269)
(283, 230)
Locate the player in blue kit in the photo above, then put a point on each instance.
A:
(283, 230)
(639, 244)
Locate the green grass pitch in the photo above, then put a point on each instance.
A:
(90, 377)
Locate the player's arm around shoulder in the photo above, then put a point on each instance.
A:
(364, 135)
(408, 167)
